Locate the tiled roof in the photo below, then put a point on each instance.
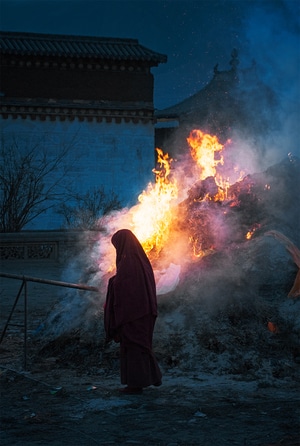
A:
(219, 87)
(77, 46)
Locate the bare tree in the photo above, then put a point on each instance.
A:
(29, 182)
(87, 208)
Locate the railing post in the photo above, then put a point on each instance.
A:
(26, 279)
(25, 324)
(12, 310)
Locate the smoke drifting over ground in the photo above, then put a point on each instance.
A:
(222, 296)
(219, 309)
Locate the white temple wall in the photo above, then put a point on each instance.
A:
(118, 156)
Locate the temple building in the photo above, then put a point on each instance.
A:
(86, 102)
(235, 101)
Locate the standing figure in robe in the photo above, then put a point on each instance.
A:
(130, 313)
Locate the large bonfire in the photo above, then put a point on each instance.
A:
(154, 218)
(222, 244)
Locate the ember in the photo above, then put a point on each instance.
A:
(252, 230)
(272, 327)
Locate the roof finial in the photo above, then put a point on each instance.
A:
(234, 59)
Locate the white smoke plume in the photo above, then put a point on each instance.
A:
(272, 33)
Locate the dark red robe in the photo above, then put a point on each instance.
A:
(131, 311)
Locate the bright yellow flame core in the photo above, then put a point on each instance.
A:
(204, 148)
(206, 151)
(152, 217)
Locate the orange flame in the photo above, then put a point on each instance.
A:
(152, 217)
(204, 150)
(252, 230)
(272, 327)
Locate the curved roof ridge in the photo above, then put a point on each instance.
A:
(115, 48)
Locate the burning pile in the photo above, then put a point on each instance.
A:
(163, 208)
(196, 210)
(223, 268)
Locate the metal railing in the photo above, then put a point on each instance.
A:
(23, 286)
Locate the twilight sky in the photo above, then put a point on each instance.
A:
(195, 35)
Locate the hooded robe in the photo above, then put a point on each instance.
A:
(131, 311)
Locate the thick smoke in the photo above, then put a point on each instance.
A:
(218, 307)
(272, 33)
(228, 278)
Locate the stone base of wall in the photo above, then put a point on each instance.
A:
(43, 255)
(55, 246)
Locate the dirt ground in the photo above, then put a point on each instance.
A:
(59, 401)
(60, 406)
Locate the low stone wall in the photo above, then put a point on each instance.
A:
(38, 254)
(44, 245)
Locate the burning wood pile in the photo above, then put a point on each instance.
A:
(223, 246)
